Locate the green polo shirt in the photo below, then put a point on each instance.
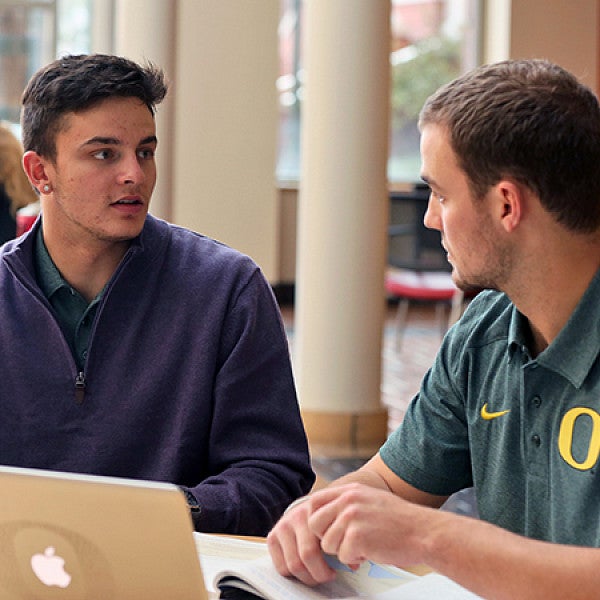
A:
(524, 431)
(75, 316)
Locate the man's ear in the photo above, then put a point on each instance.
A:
(510, 199)
(35, 169)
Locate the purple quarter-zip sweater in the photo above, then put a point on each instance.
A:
(187, 379)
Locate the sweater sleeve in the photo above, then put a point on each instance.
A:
(259, 460)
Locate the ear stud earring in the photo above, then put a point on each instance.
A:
(46, 188)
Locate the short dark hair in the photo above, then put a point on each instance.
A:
(76, 82)
(532, 121)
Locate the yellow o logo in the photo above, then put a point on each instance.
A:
(565, 438)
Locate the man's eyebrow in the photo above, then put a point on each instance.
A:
(99, 140)
(110, 141)
(151, 139)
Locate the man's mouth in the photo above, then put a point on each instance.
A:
(128, 201)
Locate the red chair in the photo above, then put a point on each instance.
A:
(418, 267)
(424, 286)
(26, 217)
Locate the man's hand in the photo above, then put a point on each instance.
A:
(354, 516)
(355, 522)
(295, 550)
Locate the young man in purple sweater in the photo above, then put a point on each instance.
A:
(131, 347)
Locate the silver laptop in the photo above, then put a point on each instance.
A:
(68, 536)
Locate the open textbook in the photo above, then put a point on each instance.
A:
(230, 562)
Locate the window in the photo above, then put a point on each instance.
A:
(433, 41)
(289, 88)
(32, 33)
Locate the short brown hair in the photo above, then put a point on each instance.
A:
(532, 121)
(76, 82)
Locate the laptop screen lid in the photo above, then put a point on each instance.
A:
(72, 536)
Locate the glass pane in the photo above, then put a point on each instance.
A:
(32, 33)
(74, 27)
(430, 46)
(433, 41)
(289, 88)
(26, 42)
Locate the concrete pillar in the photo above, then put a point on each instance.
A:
(103, 26)
(342, 221)
(145, 31)
(226, 123)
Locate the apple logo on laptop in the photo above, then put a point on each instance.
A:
(50, 568)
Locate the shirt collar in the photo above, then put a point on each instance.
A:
(49, 278)
(577, 346)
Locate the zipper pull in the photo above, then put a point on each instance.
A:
(79, 387)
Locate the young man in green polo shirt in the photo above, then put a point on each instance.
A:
(511, 405)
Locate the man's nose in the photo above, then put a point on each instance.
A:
(131, 171)
(432, 219)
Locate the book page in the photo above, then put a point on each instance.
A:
(431, 586)
(221, 556)
(217, 551)
(367, 582)
(224, 557)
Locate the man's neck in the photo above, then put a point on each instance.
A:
(549, 293)
(87, 268)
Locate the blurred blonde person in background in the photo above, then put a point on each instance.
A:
(15, 189)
